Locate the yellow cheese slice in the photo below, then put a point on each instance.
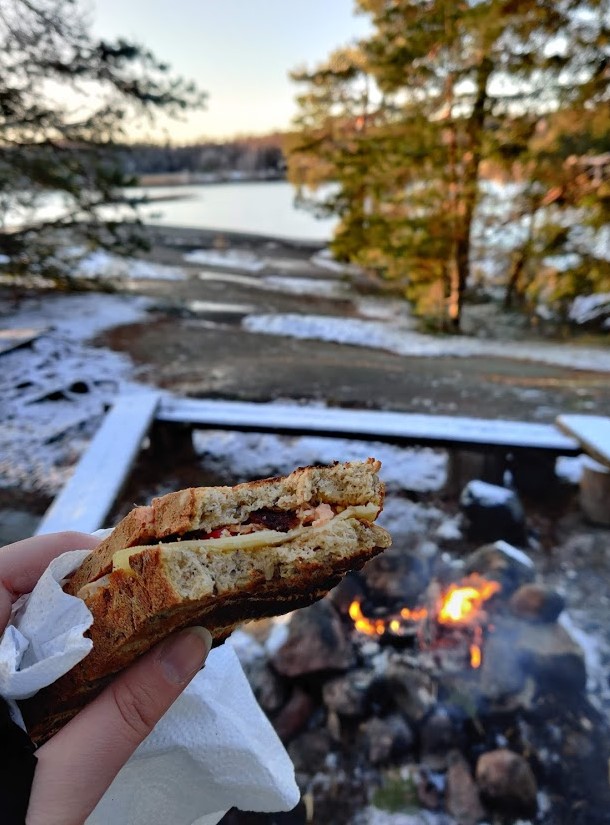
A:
(248, 541)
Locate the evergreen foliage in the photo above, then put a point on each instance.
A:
(66, 99)
(407, 127)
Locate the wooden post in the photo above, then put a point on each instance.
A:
(595, 492)
(468, 465)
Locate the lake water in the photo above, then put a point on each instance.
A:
(265, 207)
(262, 207)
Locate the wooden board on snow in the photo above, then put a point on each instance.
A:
(87, 498)
(591, 431)
(13, 338)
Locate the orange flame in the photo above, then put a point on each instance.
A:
(372, 627)
(460, 605)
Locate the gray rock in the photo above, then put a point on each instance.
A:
(405, 688)
(396, 576)
(317, 641)
(347, 695)
(506, 783)
(270, 691)
(294, 716)
(536, 603)
(493, 513)
(549, 654)
(501, 675)
(388, 738)
(309, 751)
(503, 563)
(438, 736)
(462, 796)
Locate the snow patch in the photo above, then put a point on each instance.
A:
(78, 317)
(587, 308)
(597, 678)
(230, 258)
(569, 468)
(324, 260)
(450, 529)
(244, 456)
(101, 264)
(488, 495)
(56, 390)
(54, 393)
(398, 336)
(324, 288)
(514, 553)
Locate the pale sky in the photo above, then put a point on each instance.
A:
(239, 51)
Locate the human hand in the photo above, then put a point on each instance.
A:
(78, 764)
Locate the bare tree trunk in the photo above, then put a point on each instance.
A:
(471, 161)
(513, 287)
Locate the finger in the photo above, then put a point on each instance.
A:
(23, 563)
(78, 764)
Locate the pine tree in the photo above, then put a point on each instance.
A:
(66, 99)
(456, 84)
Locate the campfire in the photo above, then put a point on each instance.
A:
(447, 686)
(460, 606)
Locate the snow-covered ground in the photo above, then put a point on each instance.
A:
(55, 391)
(323, 287)
(230, 258)
(77, 317)
(103, 265)
(245, 456)
(398, 336)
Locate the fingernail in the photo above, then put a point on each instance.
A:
(182, 655)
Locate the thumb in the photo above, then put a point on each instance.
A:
(78, 764)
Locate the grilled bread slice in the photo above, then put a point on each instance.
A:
(220, 556)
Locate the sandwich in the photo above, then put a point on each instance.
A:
(216, 557)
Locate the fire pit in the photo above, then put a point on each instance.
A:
(466, 702)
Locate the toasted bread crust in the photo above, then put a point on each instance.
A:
(133, 612)
(208, 508)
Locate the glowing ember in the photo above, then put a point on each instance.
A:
(417, 615)
(475, 648)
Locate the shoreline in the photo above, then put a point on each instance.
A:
(203, 179)
(186, 237)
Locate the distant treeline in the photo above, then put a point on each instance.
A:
(245, 155)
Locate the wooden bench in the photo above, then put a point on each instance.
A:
(87, 498)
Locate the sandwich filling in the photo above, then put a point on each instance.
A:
(264, 528)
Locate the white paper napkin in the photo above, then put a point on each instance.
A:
(214, 749)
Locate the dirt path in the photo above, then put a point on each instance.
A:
(187, 357)
(194, 344)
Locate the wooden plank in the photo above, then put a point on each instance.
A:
(592, 432)
(393, 427)
(87, 498)
(13, 338)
